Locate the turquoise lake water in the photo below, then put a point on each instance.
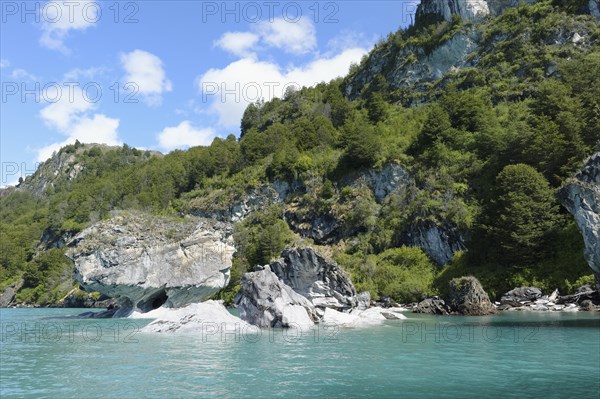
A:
(524, 355)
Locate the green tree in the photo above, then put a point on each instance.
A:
(361, 142)
(251, 117)
(523, 215)
(377, 108)
(435, 127)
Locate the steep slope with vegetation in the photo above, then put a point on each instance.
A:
(438, 156)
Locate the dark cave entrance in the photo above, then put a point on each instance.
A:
(155, 301)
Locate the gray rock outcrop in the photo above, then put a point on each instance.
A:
(439, 242)
(413, 66)
(432, 306)
(594, 8)
(320, 280)
(8, 296)
(467, 297)
(363, 300)
(444, 10)
(323, 228)
(581, 196)
(229, 207)
(265, 301)
(147, 262)
(520, 296)
(391, 178)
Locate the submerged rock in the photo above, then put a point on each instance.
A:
(105, 314)
(581, 196)
(265, 301)
(468, 297)
(321, 281)
(361, 318)
(147, 262)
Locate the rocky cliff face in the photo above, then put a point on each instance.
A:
(405, 64)
(327, 226)
(63, 167)
(594, 8)
(147, 262)
(439, 242)
(413, 66)
(390, 179)
(581, 197)
(236, 211)
(444, 10)
(8, 296)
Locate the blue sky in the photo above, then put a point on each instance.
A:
(163, 75)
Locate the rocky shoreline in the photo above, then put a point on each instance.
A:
(523, 299)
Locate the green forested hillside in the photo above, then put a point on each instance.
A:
(486, 145)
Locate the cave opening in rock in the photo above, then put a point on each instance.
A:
(153, 302)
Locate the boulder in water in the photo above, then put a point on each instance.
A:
(467, 297)
(265, 301)
(520, 296)
(316, 278)
(432, 306)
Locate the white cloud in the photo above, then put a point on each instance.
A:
(97, 129)
(238, 43)
(185, 135)
(71, 116)
(248, 80)
(63, 113)
(230, 89)
(4, 63)
(292, 37)
(146, 71)
(62, 17)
